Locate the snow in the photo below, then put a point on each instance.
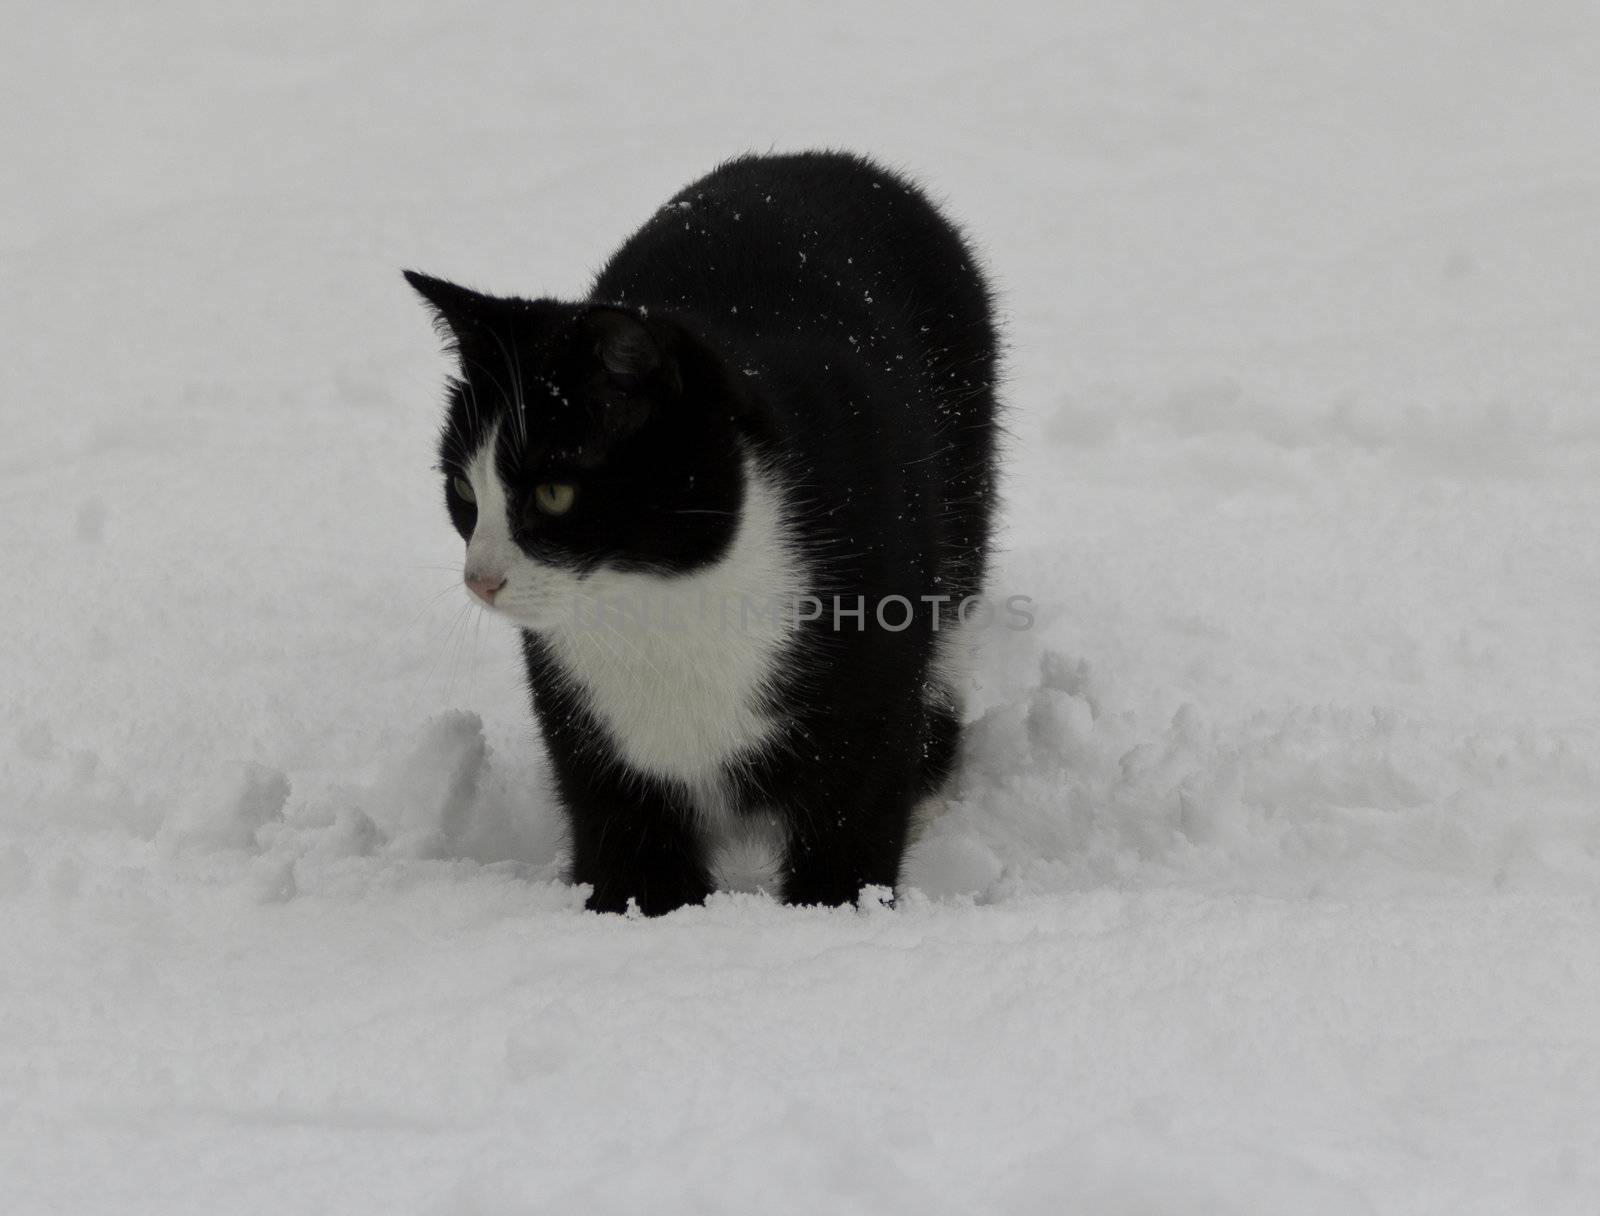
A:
(1271, 884)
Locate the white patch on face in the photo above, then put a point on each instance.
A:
(535, 593)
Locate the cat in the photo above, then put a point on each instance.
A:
(737, 500)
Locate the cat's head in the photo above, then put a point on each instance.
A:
(581, 440)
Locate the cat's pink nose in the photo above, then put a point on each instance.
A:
(485, 588)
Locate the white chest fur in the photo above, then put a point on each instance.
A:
(676, 668)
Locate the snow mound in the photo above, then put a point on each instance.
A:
(229, 810)
(1061, 789)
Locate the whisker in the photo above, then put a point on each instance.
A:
(434, 666)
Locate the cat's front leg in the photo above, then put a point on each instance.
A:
(631, 843)
(849, 843)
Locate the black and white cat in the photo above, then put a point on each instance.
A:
(734, 500)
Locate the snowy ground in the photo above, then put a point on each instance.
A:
(1273, 883)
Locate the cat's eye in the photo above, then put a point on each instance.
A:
(554, 497)
(463, 489)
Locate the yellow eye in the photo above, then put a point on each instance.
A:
(463, 488)
(555, 497)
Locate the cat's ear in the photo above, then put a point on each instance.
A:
(459, 313)
(633, 356)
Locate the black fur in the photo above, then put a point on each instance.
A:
(817, 312)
